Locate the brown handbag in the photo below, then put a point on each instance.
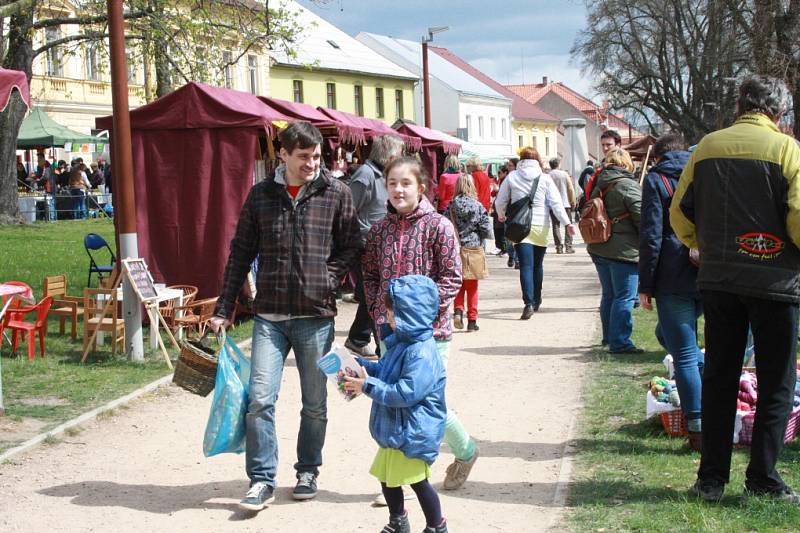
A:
(473, 263)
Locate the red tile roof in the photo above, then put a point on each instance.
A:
(533, 92)
(520, 108)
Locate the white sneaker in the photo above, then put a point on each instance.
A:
(259, 495)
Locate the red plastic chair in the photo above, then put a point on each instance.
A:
(16, 324)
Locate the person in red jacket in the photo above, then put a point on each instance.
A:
(483, 184)
(446, 188)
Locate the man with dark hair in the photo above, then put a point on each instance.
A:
(301, 225)
(370, 195)
(738, 201)
(610, 139)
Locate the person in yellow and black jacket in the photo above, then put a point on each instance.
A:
(738, 202)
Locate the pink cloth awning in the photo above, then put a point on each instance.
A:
(10, 80)
(428, 136)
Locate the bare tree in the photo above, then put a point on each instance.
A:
(673, 59)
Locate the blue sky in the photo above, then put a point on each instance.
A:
(513, 41)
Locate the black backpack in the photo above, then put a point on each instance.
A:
(519, 215)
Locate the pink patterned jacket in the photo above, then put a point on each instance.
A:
(422, 242)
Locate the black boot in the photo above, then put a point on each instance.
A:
(527, 312)
(472, 325)
(458, 319)
(397, 524)
(441, 528)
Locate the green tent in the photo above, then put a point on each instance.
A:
(38, 130)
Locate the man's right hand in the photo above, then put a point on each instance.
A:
(218, 322)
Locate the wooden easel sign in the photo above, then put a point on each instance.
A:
(142, 284)
(141, 280)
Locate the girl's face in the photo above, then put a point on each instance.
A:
(404, 189)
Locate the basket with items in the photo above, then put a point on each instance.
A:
(196, 367)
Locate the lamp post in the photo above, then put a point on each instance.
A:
(426, 94)
(122, 165)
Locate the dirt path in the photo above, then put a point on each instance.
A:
(515, 385)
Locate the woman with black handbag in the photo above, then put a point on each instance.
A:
(473, 225)
(524, 202)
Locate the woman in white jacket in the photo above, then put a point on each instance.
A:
(530, 251)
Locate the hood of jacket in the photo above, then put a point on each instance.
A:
(529, 169)
(416, 305)
(672, 163)
(611, 174)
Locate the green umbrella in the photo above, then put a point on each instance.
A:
(38, 129)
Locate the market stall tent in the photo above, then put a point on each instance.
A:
(194, 155)
(39, 130)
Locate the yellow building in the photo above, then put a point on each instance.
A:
(331, 69)
(541, 134)
(73, 83)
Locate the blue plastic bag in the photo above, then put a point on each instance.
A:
(226, 428)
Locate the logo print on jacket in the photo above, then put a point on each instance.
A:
(758, 245)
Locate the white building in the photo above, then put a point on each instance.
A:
(458, 100)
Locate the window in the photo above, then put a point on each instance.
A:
(469, 126)
(92, 61)
(297, 90)
(521, 141)
(534, 143)
(492, 128)
(379, 101)
(358, 100)
(133, 74)
(480, 127)
(252, 74)
(331, 95)
(227, 68)
(547, 146)
(503, 128)
(398, 103)
(55, 56)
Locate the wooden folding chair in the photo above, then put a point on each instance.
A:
(64, 306)
(94, 302)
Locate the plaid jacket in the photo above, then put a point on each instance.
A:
(303, 250)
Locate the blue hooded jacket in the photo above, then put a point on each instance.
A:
(407, 384)
(664, 265)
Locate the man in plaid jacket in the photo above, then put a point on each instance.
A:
(302, 226)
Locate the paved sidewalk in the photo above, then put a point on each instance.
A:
(515, 385)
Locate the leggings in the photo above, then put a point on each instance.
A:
(428, 500)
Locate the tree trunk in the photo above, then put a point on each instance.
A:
(19, 56)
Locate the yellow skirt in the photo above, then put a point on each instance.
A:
(392, 467)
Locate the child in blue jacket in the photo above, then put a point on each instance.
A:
(408, 407)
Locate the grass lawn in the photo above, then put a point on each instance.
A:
(630, 476)
(46, 392)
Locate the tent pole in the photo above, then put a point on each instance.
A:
(122, 165)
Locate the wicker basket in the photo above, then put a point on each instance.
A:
(748, 420)
(674, 423)
(196, 367)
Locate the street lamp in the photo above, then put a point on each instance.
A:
(426, 94)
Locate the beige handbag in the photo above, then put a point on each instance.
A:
(473, 263)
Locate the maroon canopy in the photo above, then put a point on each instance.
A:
(370, 126)
(194, 154)
(347, 132)
(10, 80)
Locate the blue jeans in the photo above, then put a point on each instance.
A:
(78, 204)
(619, 282)
(531, 271)
(310, 338)
(677, 330)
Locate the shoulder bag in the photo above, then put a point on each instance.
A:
(519, 215)
(473, 258)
